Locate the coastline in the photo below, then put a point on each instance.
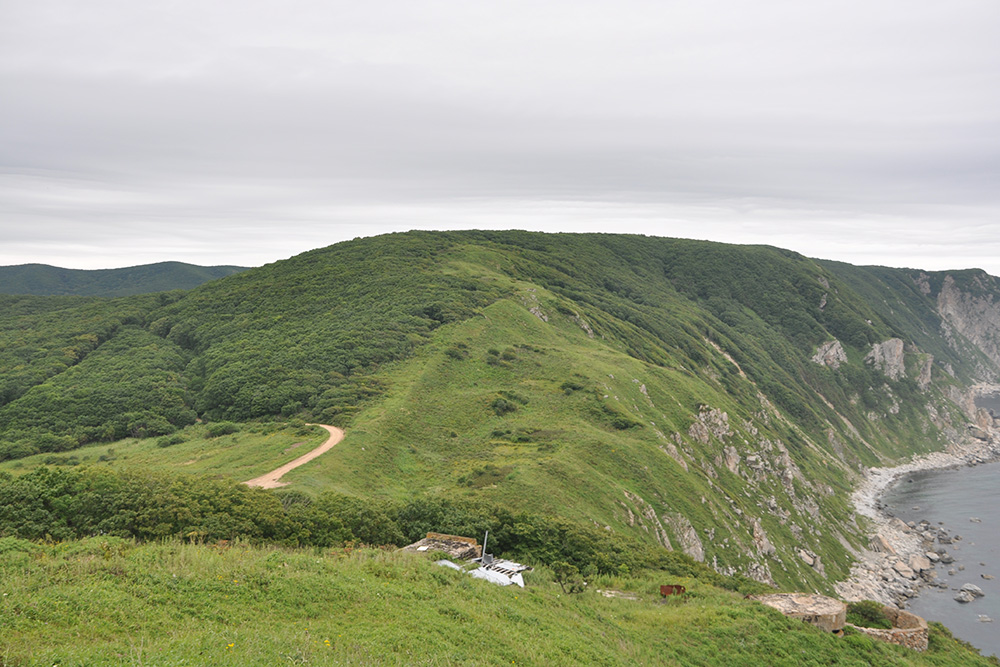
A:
(890, 570)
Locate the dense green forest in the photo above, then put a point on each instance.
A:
(661, 389)
(41, 279)
(58, 504)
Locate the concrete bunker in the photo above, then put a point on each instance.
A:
(908, 629)
(823, 612)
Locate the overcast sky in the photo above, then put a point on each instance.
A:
(225, 132)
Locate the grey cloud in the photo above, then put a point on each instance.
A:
(838, 129)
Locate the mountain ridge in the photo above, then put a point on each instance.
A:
(46, 280)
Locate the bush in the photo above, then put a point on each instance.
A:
(502, 406)
(17, 450)
(222, 428)
(868, 614)
(170, 440)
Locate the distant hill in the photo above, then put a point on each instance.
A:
(45, 280)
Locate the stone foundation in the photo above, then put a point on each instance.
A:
(823, 612)
(908, 630)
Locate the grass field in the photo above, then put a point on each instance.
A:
(252, 450)
(112, 602)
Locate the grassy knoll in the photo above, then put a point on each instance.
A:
(105, 601)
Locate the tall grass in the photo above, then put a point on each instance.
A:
(112, 602)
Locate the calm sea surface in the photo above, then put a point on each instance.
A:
(952, 498)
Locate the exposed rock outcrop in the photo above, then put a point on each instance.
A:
(887, 356)
(731, 459)
(830, 354)
(686, 535)
(977, 318)
(764, 546)
(647, 519)
(710, 422)
(924, 377)
(670, 450)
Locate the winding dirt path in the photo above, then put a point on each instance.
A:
(270, 480)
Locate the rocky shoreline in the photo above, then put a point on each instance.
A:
(901, 557)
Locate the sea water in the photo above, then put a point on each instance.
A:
(965, 501)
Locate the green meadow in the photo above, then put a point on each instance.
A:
(104, 601)
(250, 450)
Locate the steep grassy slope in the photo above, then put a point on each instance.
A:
(660, 388)
(41, 279)
(109, 602)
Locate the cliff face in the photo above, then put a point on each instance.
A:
(888, 358)
(974, 314)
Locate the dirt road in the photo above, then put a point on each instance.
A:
(270, 480)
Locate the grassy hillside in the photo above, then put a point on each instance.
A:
(106, 601)
(653, 388)
(41, 279)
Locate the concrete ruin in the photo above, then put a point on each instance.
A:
(499, 571)
(908, 629)
(823, 612)
(463, 548)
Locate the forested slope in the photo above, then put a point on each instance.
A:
(711, 398)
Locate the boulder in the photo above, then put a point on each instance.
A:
(880, 544)
(976, 591)
(903, 569)
(919, 563)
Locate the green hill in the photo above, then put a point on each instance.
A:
(41, 279)
(657, 389)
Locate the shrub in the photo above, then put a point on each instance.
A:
(222, 428)
(868, 614)
(502, 406)
(170, 440)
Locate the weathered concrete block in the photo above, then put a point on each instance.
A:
(823, 612)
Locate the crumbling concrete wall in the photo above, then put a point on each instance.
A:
(908, 630)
